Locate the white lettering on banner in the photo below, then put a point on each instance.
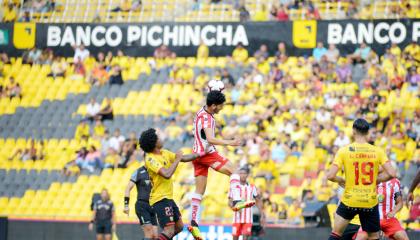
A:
(68, 37)
(377, 33)
(334, 33)
(169, 35)
(381, 33)
(209, 233)
(204, 35)
(240, 36)
(53, 36)
(154, 42)
(416, 32)
(192, 35)
(83, 35)
(365, 33)
(155, 35)
(224, 36)
(133, 34)
(95, 40)
(113, 30)
(349, 35)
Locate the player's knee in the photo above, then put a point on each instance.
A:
(148, 231)
(169, 231)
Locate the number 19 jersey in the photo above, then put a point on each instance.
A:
(360, 162)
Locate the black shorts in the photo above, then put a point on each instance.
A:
(103, 227)
(369, 217)
(145, 213)
(350, 232)
(167, 212)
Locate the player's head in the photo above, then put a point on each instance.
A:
(149, 141)
(243, 174)
(360, 127)
(105, 194)
(215, 101)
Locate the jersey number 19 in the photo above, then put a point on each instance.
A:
(366, 172)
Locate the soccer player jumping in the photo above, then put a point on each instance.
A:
(204, 145)
(360, 161)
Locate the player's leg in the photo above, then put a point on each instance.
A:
(108, 236)
(246, 231)
(236, 231)
(164, 212)
(400, 235)
(179, 225)
(370, 221)
(150, 231)
(342, 218)
(99, 236)
(362, 236)
(147, 219)
(393, 229)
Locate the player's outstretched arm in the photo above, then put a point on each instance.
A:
(388, 173)
(169, 171)
(222, 142)
(260, 205)
(130, 186)
(332, 175)
(189, 157)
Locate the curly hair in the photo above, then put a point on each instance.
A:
(215, 97)
(148, 140)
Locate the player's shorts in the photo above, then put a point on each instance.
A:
(390, 226)
(103, 227)
(167, 212)
(145, 213)
(369, 217)
(213, 160)
(350, 232)
(239, 229)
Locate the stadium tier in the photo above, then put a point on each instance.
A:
(71, 114)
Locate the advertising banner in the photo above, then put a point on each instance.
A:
(141, 39)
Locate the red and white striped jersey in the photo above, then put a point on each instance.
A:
(248, 192)
(387, 194)
(203, 120)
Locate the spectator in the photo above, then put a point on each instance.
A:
(92, 109)
(116, 75)
(273, 13)
(341, 13)
(186, 74)
(106, 112)
(124, 6)
(30, 153)
(319, 51)
(312, 12)
(93, 160)
(39, 5)
(262, 52)
(82, 130)
(261, 14)
(26, 17)
(240, 54)
(281, 49)
(14, 89)
(117, 140)
(244, 15)
(352, 10)
(361, 54)
(341, 140)
(79, 161)
(203, 50)
(413, 49)
(282, 13)
(105, 143)
(80, 53)
(99, 129)
(366, 13)
(195, 6)
(127, 155)
(324, 192)
(33, 56)
(279, 152)
(99, 75)
(332, 53)
(9, 14)
(294, 213)
(227, 79)
(162, 52)
(343, 71)
(395, 50)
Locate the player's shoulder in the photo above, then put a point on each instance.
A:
(396, 181)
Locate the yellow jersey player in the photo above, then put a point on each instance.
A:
(161, 165)
(360, 162)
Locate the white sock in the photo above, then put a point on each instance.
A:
(235, 189)
(196, 207)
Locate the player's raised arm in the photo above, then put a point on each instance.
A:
(223, 142)
(169, 171)
(389, 172)
(335, 166)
